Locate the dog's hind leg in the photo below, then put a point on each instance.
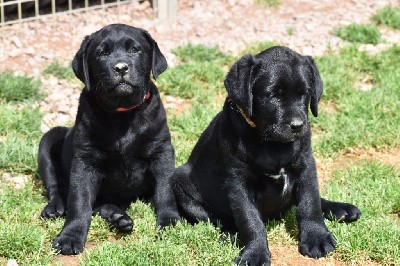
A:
(339, 211)
(50, 171)
(116, 216)
(188, 198)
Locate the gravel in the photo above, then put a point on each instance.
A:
(303, 25)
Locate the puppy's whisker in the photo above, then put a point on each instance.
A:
(101, 83)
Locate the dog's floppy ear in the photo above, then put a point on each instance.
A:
(80, 64)
(159, 63)
(317, 86)
(239, 83)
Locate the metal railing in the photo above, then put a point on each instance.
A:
(14, 11)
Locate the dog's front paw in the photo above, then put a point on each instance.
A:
(116, 217)
(254, 257)
(68, 245)
(341, 212)
(167, 218)
(54, 208)
(316, 242)
(122, 222)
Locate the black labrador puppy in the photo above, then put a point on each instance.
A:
(254, 160)
(120, 146)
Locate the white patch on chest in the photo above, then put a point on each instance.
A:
(281, 177)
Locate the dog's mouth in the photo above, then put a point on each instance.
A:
(123, 96)
(122, 89)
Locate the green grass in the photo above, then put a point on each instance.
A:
(19, 137)
(359, 119)
(22, 234)
(26, 238)
(181, 245)
(290, 31)
(375, 189)
(199, 53)
(388, 16)
(363, 118)
(198, 78)
(202, 70)
(271, 3)
(189, 80)
(60, 71)
(16, 89)
(19, 122)
(359, 33)
(196, 120)
(200, 74)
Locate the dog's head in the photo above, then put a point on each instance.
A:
(274, 89)
(115, 64)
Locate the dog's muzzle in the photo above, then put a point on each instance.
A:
(284, 132)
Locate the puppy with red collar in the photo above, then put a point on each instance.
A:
(120, 146)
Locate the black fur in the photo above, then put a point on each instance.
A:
(110, 158)
(242, 176)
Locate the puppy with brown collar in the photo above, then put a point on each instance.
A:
(254, 161)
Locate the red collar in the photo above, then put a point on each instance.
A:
(123, 109)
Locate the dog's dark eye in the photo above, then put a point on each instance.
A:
(270, 95)
(133, 50)
(104, 53)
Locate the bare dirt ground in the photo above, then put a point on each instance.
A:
(304, 25)
(326, 166)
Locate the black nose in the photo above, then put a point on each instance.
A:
(296, 125)
(121, 68)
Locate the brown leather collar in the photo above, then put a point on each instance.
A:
(239, 110)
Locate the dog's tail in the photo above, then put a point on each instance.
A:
(189, 200)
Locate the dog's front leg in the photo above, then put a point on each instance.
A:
(83, 188)
(162, 168)
(248, 221)
(315, 239)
